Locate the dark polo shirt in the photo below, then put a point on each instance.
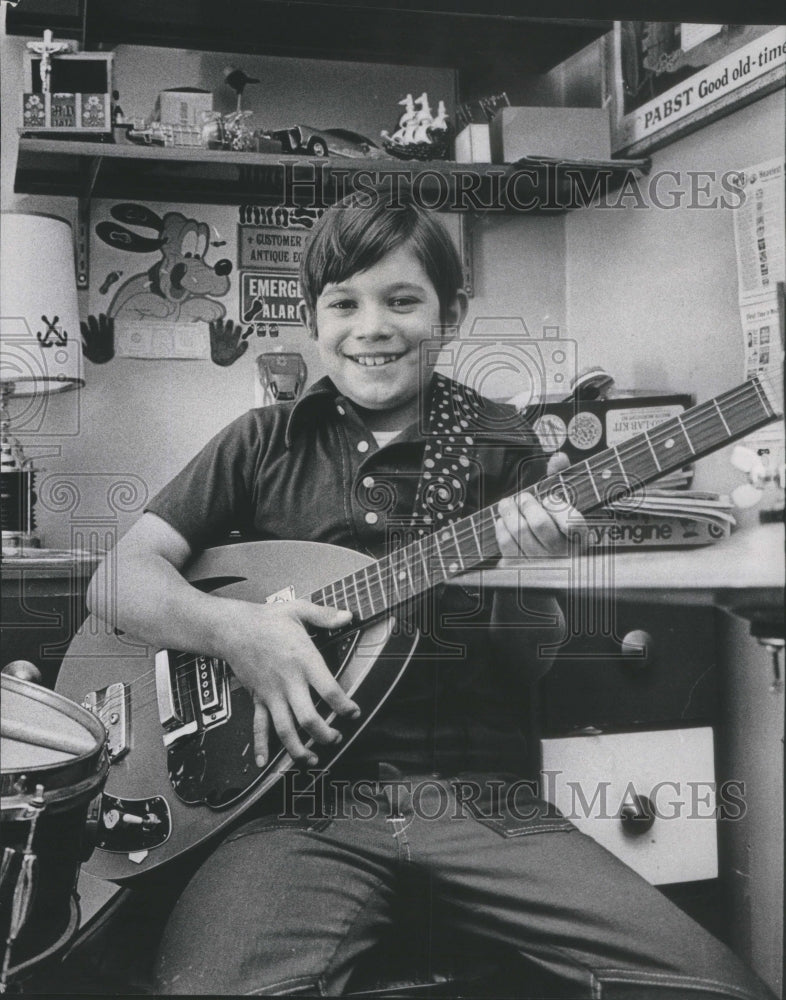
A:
(312, 471)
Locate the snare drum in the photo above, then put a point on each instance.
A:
(54, 765)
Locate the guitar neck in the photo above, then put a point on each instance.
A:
(610, 475)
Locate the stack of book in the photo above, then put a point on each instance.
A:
(658, 517)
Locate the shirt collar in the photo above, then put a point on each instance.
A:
(324, 392)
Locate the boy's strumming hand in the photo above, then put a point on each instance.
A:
(272, 655)
(534, 529)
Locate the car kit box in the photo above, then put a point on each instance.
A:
(582, 428)
(564, 133)
(186, 106)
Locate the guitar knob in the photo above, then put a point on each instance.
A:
(638, 649)
(637, 815)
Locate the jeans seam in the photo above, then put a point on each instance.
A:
(554, 827)
(569, 959)
(672, 979)
(311, 981)
(400, 836)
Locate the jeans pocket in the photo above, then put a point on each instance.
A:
(510, 806)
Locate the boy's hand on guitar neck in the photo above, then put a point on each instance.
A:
(273, 656)
(533, 529)
(526, 527)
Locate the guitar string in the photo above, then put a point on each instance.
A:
(753, 412)
(393, 566)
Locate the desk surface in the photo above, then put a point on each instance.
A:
(49, 563)
(744, 572)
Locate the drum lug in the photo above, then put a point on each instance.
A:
(92, 824)
(111, 705)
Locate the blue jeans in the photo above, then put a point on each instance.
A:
(289, 903)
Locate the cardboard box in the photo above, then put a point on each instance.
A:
(569, 133)
(473, 145)
(184, 107)
(651, 531)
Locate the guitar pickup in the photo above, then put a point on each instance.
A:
(112, 707)
(209, 698)
(192, 692)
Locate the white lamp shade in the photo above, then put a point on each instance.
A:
(40, 342)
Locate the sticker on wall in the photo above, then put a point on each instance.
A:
(271, 243)
(164, 281)
(269, 299)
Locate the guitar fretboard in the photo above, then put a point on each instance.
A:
(610, 475)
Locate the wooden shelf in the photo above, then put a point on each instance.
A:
(186, 174)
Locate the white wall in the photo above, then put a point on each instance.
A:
(652, 292)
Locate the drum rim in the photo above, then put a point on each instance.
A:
(54, 775)
(64, 705)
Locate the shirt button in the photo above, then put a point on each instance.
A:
(368, 482)
(371, 517)
(340, 409)
(362, 446)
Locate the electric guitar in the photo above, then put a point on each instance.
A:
(180, 725)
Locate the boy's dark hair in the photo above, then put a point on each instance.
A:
(357, 232)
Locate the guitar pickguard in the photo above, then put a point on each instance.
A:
(215, 766)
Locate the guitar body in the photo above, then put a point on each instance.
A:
(183, 764)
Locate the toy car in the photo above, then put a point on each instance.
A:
(321, 142)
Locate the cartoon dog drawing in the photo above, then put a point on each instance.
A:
(180, 286)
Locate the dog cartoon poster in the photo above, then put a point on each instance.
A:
(195, 282)
(161, 277)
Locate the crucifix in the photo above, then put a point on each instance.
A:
(46, 49)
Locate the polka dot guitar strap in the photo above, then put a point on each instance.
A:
(442, 487)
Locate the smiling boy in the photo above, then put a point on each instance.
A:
(289, 905)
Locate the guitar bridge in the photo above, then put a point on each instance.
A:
(193, 693)
(112, 707)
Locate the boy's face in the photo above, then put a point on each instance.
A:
(369, 329)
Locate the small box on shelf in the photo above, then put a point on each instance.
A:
(472, 144)
(184, 107)
(564, 133)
